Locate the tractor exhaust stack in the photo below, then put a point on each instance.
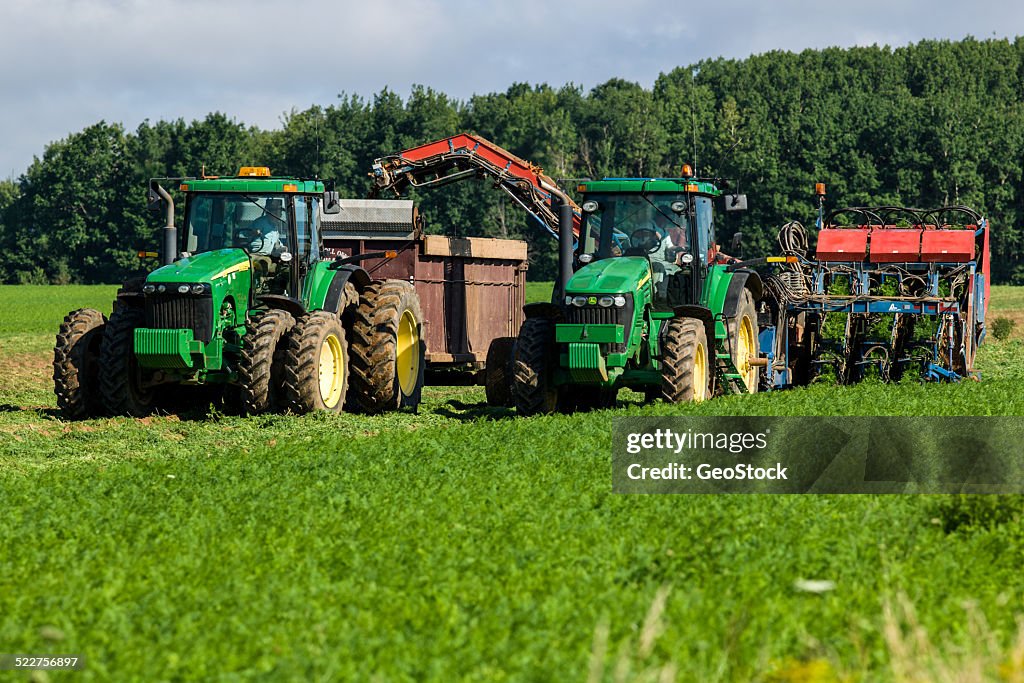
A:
(565, 244)
(169, 253)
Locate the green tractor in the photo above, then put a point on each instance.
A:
(645, 301)
(245, 310)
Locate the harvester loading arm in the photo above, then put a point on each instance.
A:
(467, 156)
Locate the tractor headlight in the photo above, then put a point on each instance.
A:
(579, 301)
(148, 289)
(686, 258)
(619, 301)
(605, 301)
(161, 289)
(182, 289)
(590, 206)
(568, 301)
(198, 288)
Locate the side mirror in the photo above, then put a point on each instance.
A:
(153, 201)
(736, 244)
(331, 202)
(735, 202)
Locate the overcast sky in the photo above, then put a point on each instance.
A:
(71, 63)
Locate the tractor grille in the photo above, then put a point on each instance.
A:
(181, 311)
(600, 315)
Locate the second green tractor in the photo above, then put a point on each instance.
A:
(648, 303)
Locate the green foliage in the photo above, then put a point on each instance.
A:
(977, 512)
(1002, 327)
(936, 122)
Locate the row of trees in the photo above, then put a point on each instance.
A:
(932, 123)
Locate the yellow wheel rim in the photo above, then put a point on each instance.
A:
(407, 364)
(332, 371)
(700, 374)
(747, 350)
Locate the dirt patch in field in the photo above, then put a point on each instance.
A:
(26, 370)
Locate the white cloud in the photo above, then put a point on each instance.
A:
(70, 63)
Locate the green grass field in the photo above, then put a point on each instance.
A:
(463, 543)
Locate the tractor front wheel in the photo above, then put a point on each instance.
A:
(76, 364)
(262, 360)
(387, 349)
(531, 379)
(316, 365)
(121, 386)
(685, 364)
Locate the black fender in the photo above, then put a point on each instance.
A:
(741, 279)
(342, 276)
(284, 303)
(702, 314)
(543, 309)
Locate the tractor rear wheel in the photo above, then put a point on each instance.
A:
(685, 364)
(316, 365)
(531, 379)
(743, 342)
(498, 372)
(387, 348)
(76, 364)
(121, 388)
(262, 360)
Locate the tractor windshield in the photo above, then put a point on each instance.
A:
(636, 225)
(256, 223)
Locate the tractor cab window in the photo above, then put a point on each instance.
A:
(258, 224)
(635, 225)
(705, 226)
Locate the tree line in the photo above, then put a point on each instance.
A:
(927, 124)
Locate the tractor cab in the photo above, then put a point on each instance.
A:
(667, 222)
(275, 221)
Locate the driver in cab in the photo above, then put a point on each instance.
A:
(271, 226)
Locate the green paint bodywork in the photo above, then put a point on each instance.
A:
(639, 185)
(253, 185)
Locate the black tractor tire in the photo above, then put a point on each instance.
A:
(121, 388)
(386, 348)
(261, 363)
(76, 356)
(498, 372)
(316, 365)
(532, 368)
(746, 310)
(686, 365)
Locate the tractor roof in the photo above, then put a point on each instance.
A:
(649, 185)
(255, 180)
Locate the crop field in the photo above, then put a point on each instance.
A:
(463, 543)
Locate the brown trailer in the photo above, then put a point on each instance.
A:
(471, 289)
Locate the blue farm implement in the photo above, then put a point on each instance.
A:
(889, 292)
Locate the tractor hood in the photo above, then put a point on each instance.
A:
(206, 267)
(618, 275)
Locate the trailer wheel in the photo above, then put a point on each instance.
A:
(498, 372)
(531, 380)
(743, 342)
(387, 348)
(685, 361)
(316, 364)
(76, 364)
(260, 366)
(121, 388)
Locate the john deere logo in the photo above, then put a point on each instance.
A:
(592, 300)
